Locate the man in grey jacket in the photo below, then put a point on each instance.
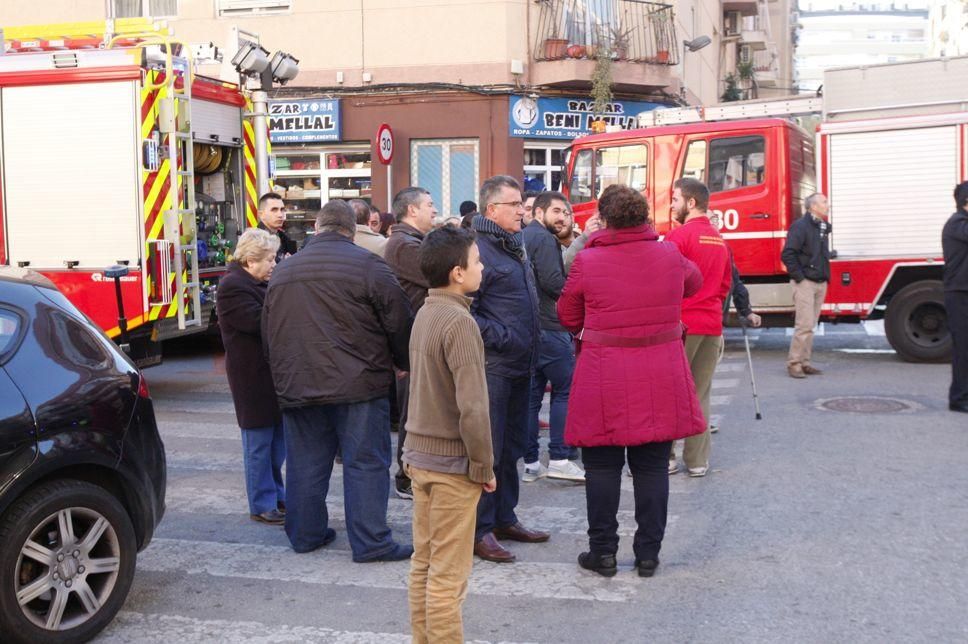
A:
(556, 356)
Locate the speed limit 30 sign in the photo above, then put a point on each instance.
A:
(384, 144)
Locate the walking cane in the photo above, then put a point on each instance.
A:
(749, 358)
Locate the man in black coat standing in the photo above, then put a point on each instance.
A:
(272, 218)
(807, 258)
(954, 244)
(414, 211)
(337, 323)
(506, 310)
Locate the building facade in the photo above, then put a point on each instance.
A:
(948, 28)
(469, 89)
(837, 34)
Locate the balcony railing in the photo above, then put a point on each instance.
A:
(630, 30)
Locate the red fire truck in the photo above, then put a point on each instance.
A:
(114, 152)
(891, 143)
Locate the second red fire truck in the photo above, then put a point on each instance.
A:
(891, 143)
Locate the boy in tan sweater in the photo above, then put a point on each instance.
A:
(447, 452)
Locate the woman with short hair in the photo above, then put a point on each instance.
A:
(632, 393)
(241, 293)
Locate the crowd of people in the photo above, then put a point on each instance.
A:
(466, 324)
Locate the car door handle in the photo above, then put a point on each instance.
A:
(760, 215)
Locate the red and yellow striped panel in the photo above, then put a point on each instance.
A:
(157, 187)
(250, 187)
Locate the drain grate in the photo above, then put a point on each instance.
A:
(868, 405)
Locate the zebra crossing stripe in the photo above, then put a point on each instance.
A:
(327, 567)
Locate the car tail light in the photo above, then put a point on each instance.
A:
(143, 388)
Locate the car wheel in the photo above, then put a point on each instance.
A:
(67, 558)
(916, 323)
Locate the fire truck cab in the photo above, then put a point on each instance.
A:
(757, 171)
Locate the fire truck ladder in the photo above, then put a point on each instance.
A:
(175, 120)
(188, 292)
(83, 35)
(799, 106)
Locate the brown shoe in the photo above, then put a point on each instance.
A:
(518, 532)
(796, 371)
(811, 371)
(272, 517)
(489, 549)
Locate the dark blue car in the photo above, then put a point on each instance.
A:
(82, 467)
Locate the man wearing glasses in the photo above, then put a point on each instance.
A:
(506, 310)
(272, 216)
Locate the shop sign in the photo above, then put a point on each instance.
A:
(567, 118)
(305, 120)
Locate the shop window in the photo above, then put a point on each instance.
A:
(251, 7)
(543, 167)
(449, 170)
(144, 8)
(737, 162)
(626, 165)
(580, 189)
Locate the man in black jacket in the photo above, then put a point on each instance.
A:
(272, 218)
(954, 244)
(336, 323)
(556, 356)
(414, 211)
(505, 308)
(807, 258)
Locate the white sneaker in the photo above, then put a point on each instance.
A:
(713, 429)
(697, 472)
(534, 471)
(565, 469)
(673, 466)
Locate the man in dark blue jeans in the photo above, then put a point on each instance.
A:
(336, 323)
(556, 356)
(505, 308)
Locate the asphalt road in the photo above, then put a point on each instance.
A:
(813, 526)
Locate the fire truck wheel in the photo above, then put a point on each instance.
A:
(916, 323)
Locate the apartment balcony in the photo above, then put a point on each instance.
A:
(744, 7)
(753, 33)
(638, 36)
(766, 66)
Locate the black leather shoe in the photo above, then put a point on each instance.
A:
(962, 407)
(272, 517)
(646, 567)
(604, 565)
(518, 532)
(399, 553)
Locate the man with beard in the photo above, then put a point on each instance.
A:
(556, 359)
(702, 314)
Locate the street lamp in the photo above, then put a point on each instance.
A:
(695, 44)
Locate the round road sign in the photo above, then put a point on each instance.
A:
(384, 144)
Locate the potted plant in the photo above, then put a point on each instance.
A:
(601, 92)
(619, 37)
(555, 47)
(732, 91)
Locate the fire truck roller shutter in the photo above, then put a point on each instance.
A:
(72, 164)
(890, 190)
(216, 123)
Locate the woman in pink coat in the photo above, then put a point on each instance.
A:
(632, 391)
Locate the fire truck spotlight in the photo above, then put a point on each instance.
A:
(284, 67)
(251, 59)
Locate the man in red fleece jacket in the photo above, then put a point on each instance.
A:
(702, 313)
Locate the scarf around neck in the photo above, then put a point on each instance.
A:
(511, 241)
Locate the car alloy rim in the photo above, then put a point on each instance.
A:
(67, 568)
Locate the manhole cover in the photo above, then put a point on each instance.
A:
(868, 405)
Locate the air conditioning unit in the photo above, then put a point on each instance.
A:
(733, 23)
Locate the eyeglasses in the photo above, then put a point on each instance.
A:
(513, 204)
